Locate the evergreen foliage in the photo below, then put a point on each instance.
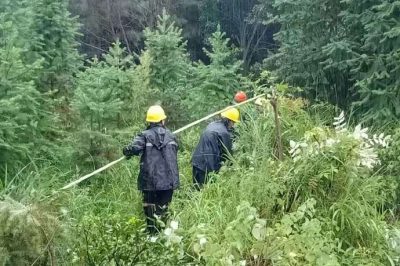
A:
(23, 110)
(56, 31)
(214, 84)
(378, 66)
(26, 234)
(168, 66)
(342, 51)
(330, 199)
(102, 101)
(20, 14)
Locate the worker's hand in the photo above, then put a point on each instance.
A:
(125, 152)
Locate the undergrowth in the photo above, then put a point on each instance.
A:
(328, 202)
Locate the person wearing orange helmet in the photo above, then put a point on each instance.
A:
(240, 96)
(159, 175)
(214, 146)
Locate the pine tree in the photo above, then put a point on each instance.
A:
(378, 67)
(305, 56)
(57, 32)
(102, 100)
(214, 84)
(168, 66)
(22, 110)
(345, 52)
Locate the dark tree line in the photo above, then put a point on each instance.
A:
(104, 21)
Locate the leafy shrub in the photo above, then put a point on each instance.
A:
(27, 234)
(115, 239)
(336, 169)
(298, 239)
(390, 158)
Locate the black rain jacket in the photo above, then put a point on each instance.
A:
(215, 143)
(158, 163)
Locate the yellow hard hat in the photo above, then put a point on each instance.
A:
(155, 114)
(232, 114)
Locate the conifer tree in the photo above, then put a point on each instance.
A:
(102, 101)
(57, 32)
(345, 52)
(214, 84)
(22, 110)
(377, 69)
(303, 58)
(20, 14)
(27, 234)
(167, 67)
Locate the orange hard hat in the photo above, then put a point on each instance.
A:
(240, 97)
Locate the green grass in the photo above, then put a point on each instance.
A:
(346, 225)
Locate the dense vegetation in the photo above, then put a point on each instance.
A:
(332, 66)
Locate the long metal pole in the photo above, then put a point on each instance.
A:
(175, 132)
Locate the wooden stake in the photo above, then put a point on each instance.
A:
(278, 130)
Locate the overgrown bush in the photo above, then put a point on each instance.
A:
(27, 234)
(343, 225)
(120, 240)
(390, 158)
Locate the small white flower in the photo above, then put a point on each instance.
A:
(360, 133)
(174, 225)
(242, 263)
(303, 145)
(153, 239)
(202, 241)
(64, 211)
(330, 142)
(368, 158)
(295, 149)
(168, 231)
(340, 123)
(381, 140)
(340, 117)
(250, 217)
(293, 144)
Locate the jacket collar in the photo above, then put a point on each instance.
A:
(153, 125)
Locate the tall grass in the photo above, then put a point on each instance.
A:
(256, 209)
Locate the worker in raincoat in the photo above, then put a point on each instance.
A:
(158, 176)
(214, 146)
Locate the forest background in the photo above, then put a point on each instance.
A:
(77, 77)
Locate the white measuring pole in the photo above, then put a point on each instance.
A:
(175, 132)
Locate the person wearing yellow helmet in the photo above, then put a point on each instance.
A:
(159, 175)
(214, 146)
